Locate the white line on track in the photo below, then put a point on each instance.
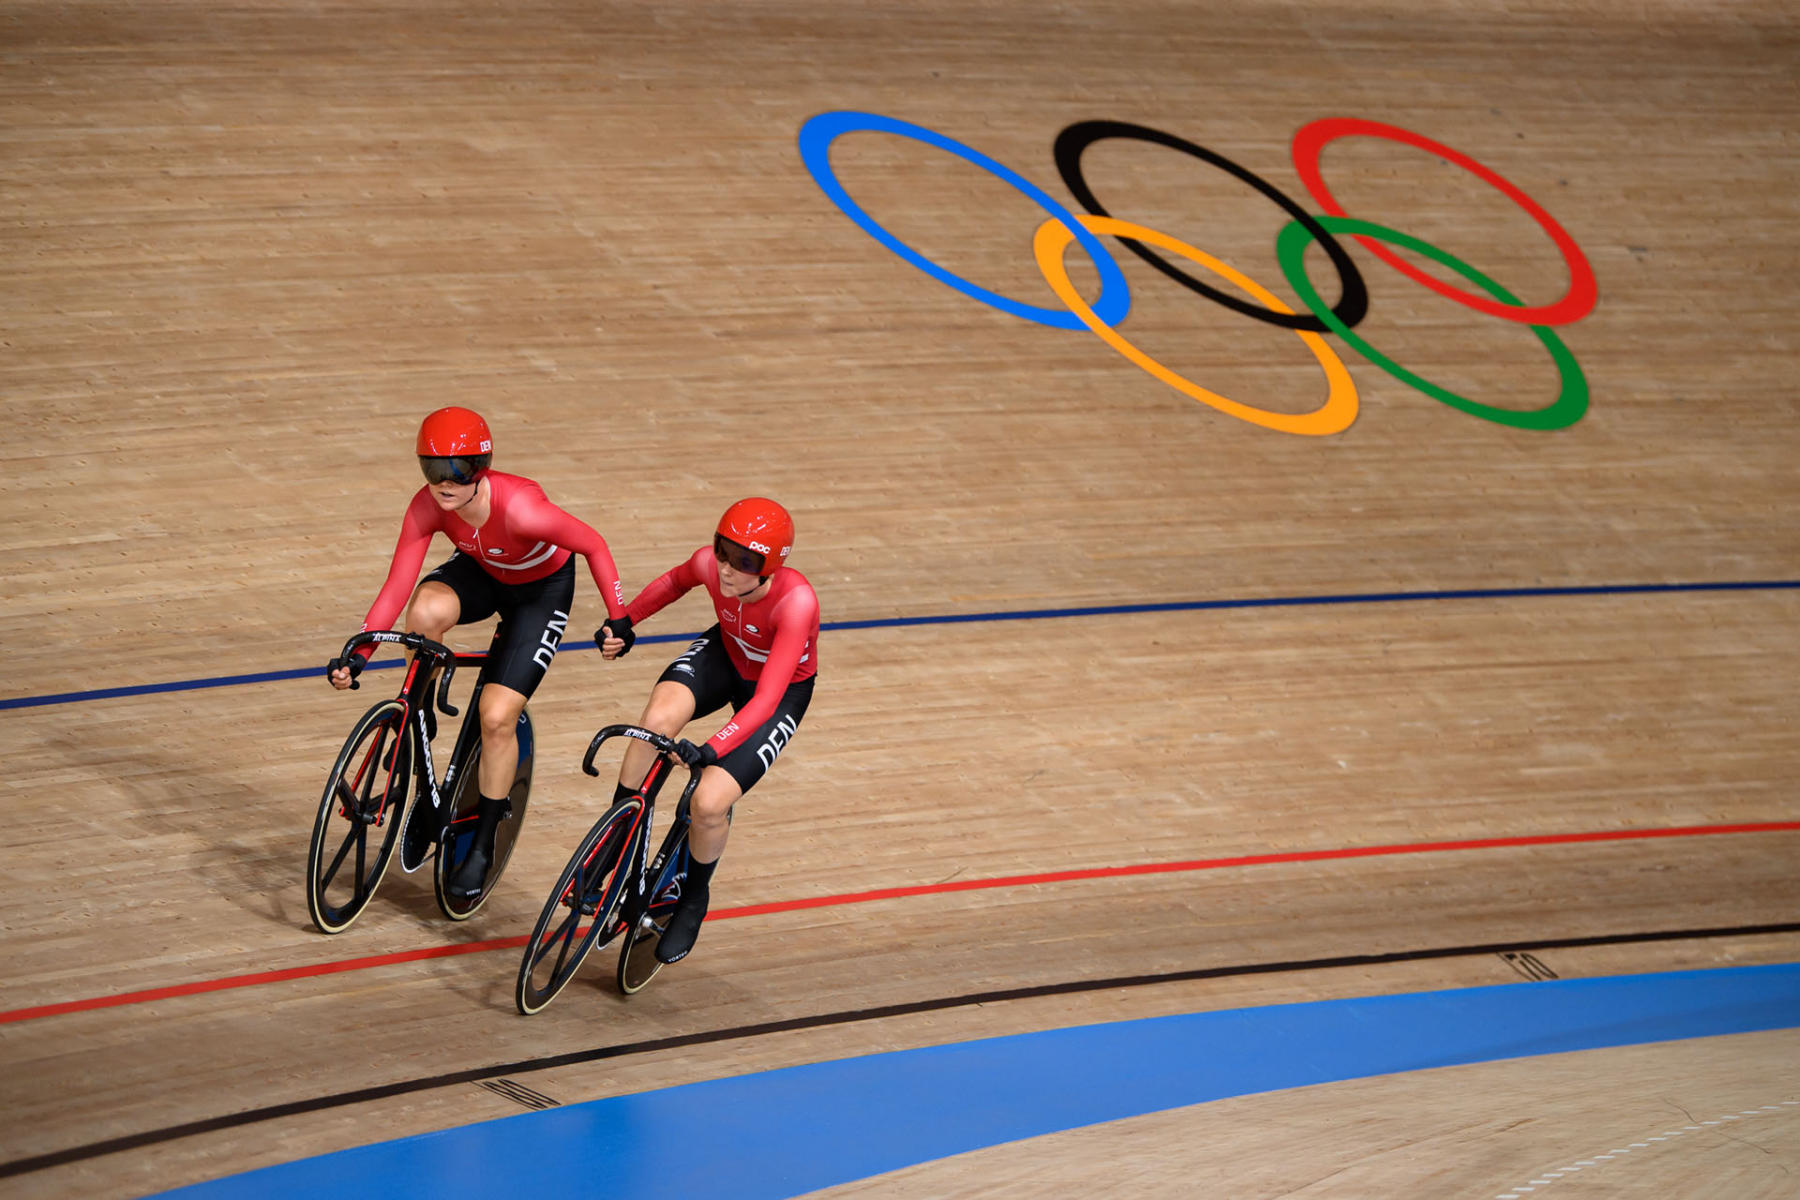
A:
(1549, 1177)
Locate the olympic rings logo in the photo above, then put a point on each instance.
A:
(1053, 237)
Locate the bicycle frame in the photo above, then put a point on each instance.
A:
(639, 882)
(415, 697)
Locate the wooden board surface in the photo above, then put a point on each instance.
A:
(246, 247)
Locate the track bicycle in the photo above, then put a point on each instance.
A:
(612, 879)
(387, 761)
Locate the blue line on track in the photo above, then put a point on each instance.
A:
(775, 1134)
(1031, 614)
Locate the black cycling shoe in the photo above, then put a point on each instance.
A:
(684, 928)
(467, 880)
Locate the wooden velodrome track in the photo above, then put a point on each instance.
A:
(247, 246)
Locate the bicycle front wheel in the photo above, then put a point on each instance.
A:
(592, 885)
(359, 815)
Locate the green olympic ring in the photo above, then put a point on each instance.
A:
(1570, 403)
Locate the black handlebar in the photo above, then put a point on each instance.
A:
(444, 691)
(419, 644)
(663, 744)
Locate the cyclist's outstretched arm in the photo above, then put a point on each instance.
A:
(670, 586)
(533, 516)
(662, 591)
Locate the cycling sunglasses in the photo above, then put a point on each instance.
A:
(452, 470)
(741, 558)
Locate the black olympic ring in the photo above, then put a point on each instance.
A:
(1350, 309)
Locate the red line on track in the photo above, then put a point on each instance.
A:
(967, 885)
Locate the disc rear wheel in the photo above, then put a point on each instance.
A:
(459, 838)
(638, 963)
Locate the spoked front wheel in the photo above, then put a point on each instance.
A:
(359, 817)
(590, 888)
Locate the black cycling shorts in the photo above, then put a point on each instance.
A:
(533, 616)
(707, 671)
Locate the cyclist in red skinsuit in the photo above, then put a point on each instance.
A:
(525, 536)
(515, 556)
(761, 658)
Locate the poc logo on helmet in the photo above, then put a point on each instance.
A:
(758, 547)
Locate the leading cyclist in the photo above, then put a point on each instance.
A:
(761, 658)
(514, 556)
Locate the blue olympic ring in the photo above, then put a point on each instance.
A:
(819, 132)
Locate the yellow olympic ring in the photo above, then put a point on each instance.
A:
(1339, 409)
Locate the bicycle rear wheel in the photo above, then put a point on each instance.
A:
(366, 792)
(459, 838)
(593, 884)
(638, 963)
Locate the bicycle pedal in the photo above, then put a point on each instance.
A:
(349, 807)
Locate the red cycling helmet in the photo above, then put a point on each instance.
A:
(454, 433)
(454, 444)
(761, 527)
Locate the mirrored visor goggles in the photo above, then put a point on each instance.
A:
(461, 470)
(740, 558)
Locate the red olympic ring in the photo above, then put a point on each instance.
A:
(1583, 291)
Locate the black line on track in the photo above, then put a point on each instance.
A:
(384, 1091)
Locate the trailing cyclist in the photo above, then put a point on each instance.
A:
(760, 657)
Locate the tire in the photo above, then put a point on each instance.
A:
(367, 790)
(598, 871)
(638, 964)
(459, 838)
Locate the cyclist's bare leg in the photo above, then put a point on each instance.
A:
(499, 712)
(500, 709)
(710, 812)
(434, 609)
(670, 708)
